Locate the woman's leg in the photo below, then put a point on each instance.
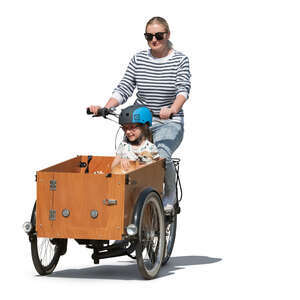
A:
(167, 138)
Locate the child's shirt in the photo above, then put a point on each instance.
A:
(131, 152)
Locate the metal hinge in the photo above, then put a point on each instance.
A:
(52, 185)
(52, 215)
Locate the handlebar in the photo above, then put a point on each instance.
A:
(88, 111)
(103, 112)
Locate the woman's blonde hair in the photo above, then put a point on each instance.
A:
(162, 22)
(158, 20)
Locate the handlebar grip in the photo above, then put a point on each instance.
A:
(101, 112)
(158, 116)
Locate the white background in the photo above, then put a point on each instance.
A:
(238, 235)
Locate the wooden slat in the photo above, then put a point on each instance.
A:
(71, 165)
(151, 175)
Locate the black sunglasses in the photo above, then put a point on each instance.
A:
(158, 35)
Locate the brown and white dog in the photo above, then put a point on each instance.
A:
(144, 157)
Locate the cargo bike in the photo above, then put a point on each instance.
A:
(111, 214)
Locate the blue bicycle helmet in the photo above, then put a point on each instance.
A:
(135, 114)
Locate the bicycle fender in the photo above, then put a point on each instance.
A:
(139, 205)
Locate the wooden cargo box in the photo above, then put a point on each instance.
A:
(80, 199)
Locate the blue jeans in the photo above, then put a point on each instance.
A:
(167, 136)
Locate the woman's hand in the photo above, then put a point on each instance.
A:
(165, 113)
(112, 102)
(94, 108)
(125, 164)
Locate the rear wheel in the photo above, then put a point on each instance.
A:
(151, 237)
(171, 226)
(45, 252)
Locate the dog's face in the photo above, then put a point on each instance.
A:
(146, 157)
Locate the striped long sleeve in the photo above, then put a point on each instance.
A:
(158, 80)
(127, 85)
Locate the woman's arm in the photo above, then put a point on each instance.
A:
(178, 103)
(183, 86)
(166, 112)
(112, 102)
(123, 91)
(125, 88)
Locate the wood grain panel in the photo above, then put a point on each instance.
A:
(80, 194)
(151, 175)
(101, 163)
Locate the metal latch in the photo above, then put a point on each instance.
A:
(52, 215)
(109, 202)
(52, 185)
(82, 164)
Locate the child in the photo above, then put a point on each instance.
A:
(135, 121)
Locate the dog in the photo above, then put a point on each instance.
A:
(143, 158)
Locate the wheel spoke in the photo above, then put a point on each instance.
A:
(45, 251)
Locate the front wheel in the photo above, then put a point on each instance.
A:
(45, 255)
(151, 236)
(45, 252)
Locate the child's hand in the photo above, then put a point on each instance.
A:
(125, 165)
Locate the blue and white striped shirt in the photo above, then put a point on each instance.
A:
(158, 80)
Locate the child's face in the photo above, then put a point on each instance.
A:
(132, 131)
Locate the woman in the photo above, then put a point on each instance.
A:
(162, 77)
